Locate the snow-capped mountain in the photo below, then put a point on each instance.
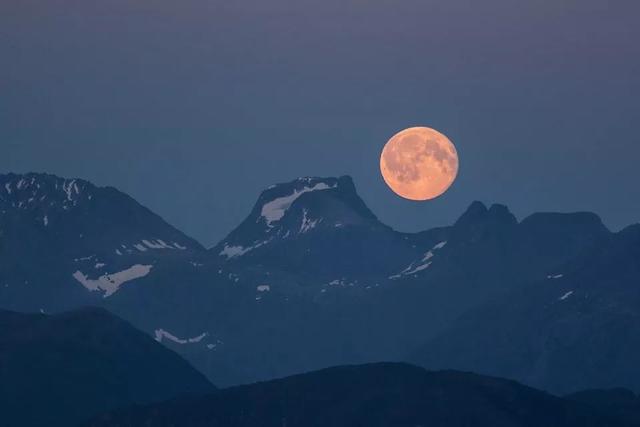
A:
(286, 211)
(317, 227)
(66, 241)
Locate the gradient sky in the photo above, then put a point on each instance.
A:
(194, 106)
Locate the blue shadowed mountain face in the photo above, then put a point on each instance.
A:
(572, 329)
(60, 370)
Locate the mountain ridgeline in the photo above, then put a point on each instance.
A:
(311, 279)
(384, 394)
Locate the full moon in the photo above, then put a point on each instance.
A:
(419, 163)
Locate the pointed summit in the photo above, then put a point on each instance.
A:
(476, 211)
(477, 214)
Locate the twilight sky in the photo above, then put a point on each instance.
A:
(194, 106)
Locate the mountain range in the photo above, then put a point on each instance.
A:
(576, 328)
(311, 279)
(87, 367)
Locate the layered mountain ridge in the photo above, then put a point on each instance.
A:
(311, 278)
(384, 394)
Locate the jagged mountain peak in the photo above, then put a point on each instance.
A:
(82, 210)
(298, 207)
(277, 199)
(305, 184)
(274, 203)
(96, 238)
(39, 190)
(478, 214)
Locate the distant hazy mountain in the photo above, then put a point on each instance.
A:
(574, 329)
(60, 370)
(310, 279)
(374, 395)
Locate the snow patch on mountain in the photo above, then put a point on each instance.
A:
(423, 264)
(147, 244)
(156, 244)
(439, 245)
(27, 191)
(161, 334)
(274, 210)
(237, 250)
(412, 270)
(70, 189)
(565, 296)
(110, 283)
(342, 282)
(307, 223)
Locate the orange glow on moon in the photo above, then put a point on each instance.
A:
(419, 163)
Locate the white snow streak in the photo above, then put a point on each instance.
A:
(423, 264)
(161, 334)
(440, 245)
(307, 223)
(274, 210)
(110, 283)
(565, 296)
(236, 251)
(157, 244)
